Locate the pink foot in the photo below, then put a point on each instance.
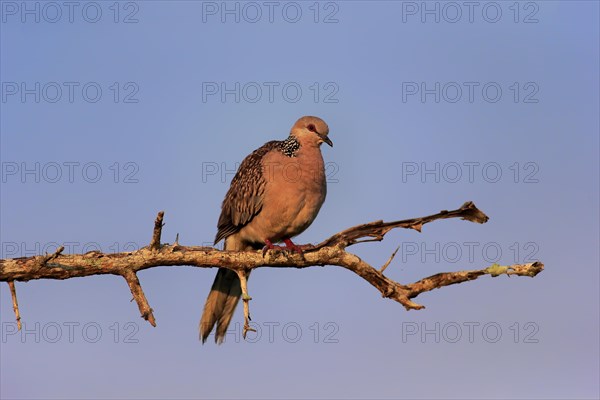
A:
(270, 246)
(289, 245)
(293, 247)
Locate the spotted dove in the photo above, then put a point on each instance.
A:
(274, 196)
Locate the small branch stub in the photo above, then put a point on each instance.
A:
(389, 259)
(49, 257)
(158, 224)
(139, 296)
(13, 294)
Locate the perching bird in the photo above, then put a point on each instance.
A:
(275, 195)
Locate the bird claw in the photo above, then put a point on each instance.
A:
(307, 246)
(293, 247)
(289, 247)
(269, 246)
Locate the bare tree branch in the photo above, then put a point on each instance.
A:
(139, 296)
(13, 294)
(378, 229)
(332, 251)
(158, 224)
(387, 263)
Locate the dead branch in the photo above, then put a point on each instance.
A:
(13, 294)
(139, 296)
(377, 229)
(158, 224)
(387, 263)
(332, 251)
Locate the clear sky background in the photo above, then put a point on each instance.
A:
(105, 123)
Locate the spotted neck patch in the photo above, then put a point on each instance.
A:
(290, 146)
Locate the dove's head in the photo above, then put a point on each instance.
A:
(312, 131)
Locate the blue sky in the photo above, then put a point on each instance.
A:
(111, 112)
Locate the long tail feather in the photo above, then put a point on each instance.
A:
(220, 304)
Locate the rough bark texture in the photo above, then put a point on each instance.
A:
(332, 251)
